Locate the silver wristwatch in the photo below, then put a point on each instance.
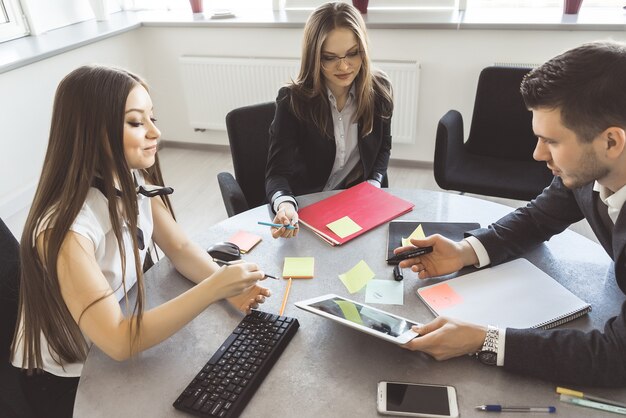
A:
(488, 354)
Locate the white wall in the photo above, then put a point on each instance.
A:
(26, 107)
(451, 61)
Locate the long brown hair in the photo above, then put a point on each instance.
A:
(86, 141)
(309, 100)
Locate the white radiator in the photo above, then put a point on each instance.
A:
(213, 86)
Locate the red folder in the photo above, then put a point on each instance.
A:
(365, 204)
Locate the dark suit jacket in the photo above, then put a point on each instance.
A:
(564, 355)
(300, 157)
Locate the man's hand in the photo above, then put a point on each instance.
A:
(445, 338)
(447, 256)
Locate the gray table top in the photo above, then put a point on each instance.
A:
(328, 369)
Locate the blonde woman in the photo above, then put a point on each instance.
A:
(331, 129)
(99, 202)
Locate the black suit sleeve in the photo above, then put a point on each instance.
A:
(282, 147)
(381, 163)
(562, 355)
(518, 232)
(592, 358)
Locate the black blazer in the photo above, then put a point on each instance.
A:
(564, 355)
(300, 157)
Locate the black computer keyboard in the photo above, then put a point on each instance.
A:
(227, 382)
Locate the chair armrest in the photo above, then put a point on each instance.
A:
(234, 200)
(449, 145)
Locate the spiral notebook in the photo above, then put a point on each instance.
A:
(516, 294)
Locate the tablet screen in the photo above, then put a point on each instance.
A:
(362, 315)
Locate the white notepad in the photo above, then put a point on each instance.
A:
(515, 294)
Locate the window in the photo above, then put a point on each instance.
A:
(540, 3)
(208, 4)
(11, 20)
(379, 4)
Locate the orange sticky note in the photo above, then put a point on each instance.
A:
(245, 240)
(441, 296)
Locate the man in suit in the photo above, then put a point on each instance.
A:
(578, 101)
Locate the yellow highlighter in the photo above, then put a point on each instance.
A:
(581, 395)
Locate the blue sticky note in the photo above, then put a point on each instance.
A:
(388, 292)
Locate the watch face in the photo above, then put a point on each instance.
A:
(488, 357)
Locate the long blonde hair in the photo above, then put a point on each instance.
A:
(309, 100)
(86, 141)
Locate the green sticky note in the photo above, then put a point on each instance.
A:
(357, 277)
(298, 267)
(344, 227)
(417, 234)
(349, 311)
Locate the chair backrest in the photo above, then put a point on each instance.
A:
(501, 125)
(248, 133)
(9, 287)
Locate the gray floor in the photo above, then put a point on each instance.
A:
(198, 203)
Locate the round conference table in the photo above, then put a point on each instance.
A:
(329, 370)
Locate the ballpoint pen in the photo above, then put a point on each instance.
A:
(276, 225)
(577, 394)
(500, 408)
(592, 404)
(228, 263)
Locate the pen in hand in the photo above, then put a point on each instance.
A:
(500, 408)
(228, 263)
(411, 253)
(276, 225)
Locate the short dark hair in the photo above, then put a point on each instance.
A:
(587, 84)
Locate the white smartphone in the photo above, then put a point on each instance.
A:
(417, 400)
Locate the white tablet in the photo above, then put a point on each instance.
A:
(370, 320)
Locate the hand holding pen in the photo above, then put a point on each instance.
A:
(230, 263)
(446, 256)
(287, 219)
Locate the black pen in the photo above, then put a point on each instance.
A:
(228, 263)
(411, 253)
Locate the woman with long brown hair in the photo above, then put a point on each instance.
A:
(331, 129)
(85, 240)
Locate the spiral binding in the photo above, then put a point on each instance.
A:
(560, 320)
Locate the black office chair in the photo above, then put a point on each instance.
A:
(496, 159)
(12, 400)
(248, 134)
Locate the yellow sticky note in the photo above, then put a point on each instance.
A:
(417, 234)
(344, 227)
(298, 267)
(349, 311)
(357, 277)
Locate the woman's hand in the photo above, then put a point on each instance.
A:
(444, 338)
(286, 215)
(447, 256)
(233, 279)
(250, 298)
(237, 282)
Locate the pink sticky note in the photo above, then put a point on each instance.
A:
(441, 296)
(244, 240)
